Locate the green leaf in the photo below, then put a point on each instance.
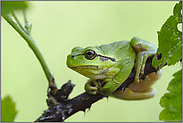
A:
(8, 111)
(170, 40)
(9, 6)
(172, 101)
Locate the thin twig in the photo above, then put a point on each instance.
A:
(35, 49)
(28, 26)
(18, 22)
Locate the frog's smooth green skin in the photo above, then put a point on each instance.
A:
(111, 63)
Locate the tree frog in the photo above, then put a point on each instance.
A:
(108, 66)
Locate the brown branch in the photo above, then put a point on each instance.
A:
(60, 108)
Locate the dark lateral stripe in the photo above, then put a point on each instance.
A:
(105, 57)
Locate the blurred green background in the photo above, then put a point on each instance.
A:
(60, 26)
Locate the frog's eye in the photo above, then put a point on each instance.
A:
(90, 54)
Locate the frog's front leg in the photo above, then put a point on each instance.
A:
(123, 68)
(143, 50)
(91, 87)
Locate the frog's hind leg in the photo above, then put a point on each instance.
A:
(140, 63)
(143, 50)
(139, 91)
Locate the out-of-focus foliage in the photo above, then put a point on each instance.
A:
(170, 40)
(10, 6)
(170, 52)
(172, 101)
(8, 111)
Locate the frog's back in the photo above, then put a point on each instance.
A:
(119, 50)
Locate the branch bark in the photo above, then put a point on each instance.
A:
(60, 108)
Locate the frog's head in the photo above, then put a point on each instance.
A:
(90, 62)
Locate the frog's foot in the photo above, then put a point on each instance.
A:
(91, 88)
(139, 91)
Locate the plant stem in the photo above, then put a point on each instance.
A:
(18, 22)
(27, 25)
(35, 49)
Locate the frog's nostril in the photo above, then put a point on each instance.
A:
(73, 56)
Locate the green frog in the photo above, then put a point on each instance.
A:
(108, 66)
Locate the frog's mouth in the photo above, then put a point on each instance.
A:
(91, 71)
(85, 66)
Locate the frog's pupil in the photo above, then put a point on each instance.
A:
(90, 53)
